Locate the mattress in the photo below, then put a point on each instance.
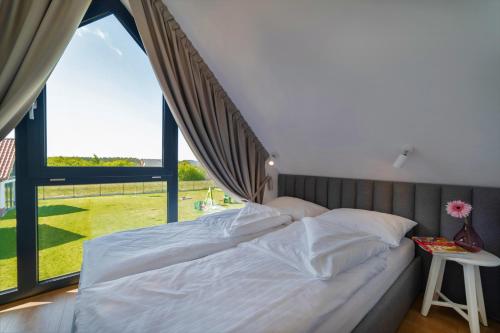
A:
(353, 311)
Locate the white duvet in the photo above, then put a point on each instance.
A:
(130, 252)
(242, 289)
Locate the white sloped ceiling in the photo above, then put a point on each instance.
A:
(336, 87)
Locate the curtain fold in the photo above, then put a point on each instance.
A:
(210, 122)
(33, 36)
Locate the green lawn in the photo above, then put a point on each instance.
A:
(65, 223)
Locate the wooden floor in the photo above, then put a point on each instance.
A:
(441, 320)
(53, 312)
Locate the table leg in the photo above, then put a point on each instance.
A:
(480, 298)
(439, 282)
(430, 289)
(470, 292)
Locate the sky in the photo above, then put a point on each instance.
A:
(103, 98)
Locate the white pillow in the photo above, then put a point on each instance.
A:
(334, 249)
(254, 218)
(318, 249)
(390, 228)
(296, 207)
(250, 219)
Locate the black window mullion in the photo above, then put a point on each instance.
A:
(97, 180)
(26, 213)
(170, 161)
(103, 172)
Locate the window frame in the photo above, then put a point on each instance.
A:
(32, 171)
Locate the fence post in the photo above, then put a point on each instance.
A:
(73, 191)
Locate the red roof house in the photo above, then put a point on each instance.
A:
(7, 158)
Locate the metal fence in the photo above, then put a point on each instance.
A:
(97, 190)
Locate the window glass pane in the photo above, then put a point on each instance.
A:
(198, 193)
(8, 224)
(104, 104)
(71, 214)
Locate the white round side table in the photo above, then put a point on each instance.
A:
(473, 288)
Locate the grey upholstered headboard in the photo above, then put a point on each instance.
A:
(420, 202)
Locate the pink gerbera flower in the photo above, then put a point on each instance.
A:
(458, 209)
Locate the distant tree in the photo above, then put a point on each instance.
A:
(91, 161)
(118, 163)
(69, 161)
(189, 172)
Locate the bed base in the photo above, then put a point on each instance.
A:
(388, 313)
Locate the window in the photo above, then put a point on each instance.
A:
(103, 125)
(103, 102)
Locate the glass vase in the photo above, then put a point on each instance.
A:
(468, 238)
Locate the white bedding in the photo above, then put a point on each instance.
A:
(347, 317)
(135, 251)
(237, 290)
(318, 249)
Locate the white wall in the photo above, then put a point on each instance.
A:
(337, 87)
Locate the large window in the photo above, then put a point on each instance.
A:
(107, 116)
(104, 102)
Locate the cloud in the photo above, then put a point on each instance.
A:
(101, 35)
(81, 31)
(117, 50)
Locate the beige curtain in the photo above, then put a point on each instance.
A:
(212, 125)
(33, 36)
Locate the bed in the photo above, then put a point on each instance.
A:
(382, 302)
(266, 294)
